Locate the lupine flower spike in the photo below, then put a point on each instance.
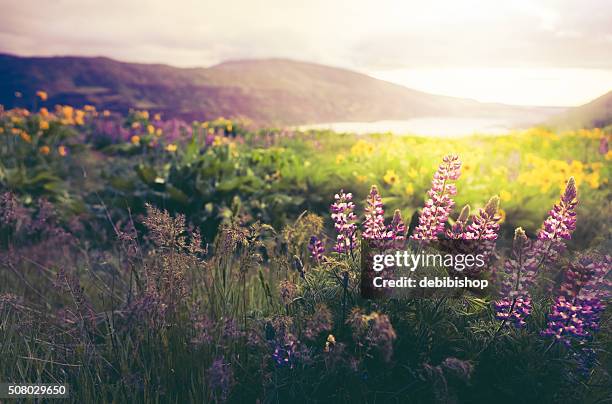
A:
(374, 224)
(396, 233)
(343, 215)
(316, 248)
(440, 203)
(515, 305)
(456, 230)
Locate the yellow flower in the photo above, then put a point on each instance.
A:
(44, 150)
(26, 138)
(505, 196)
(609, 155)
(229, 127)
(217, 141)
(106, 113)
(391, 177)
(171, 148)
(361, 178)
(339, 158)
(42, 95)
(44, 112)
(135, 140)
(67, 112)
(502, 215)
(409, 190)
(62, 151)
(135, 125)
(44, 125)
(157, 117)
(79, 117)
(89, 108)
(158, 132)
(330, 343)
(150, 129)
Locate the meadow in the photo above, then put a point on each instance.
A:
(153, 260)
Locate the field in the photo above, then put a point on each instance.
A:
(152, 260)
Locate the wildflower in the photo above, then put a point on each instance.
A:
(340, 158)
(135, 140)
(89, 108)
(561, 221)
(44, 112)
(316, 248)
(158, 132)
(106, 113)
(485, 224)
(42, 95)
(25, 137)
(171, 148)
(62, 150)
(603, 145)
(157, 117)
(456, 230)
(135, 125)
(43, 125)
(391, 177)
(44, 150)
(513, 310)
(79, 117)
(330, 343)
(374, 224)
(150, 129)
(285, 355)
(343, 215)
(409, 190)
(573, 320)
(396, 232)
(440, 202)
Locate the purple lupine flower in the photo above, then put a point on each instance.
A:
(374, 224)
(316, 248)
(520, 268)
(396, 232)
(456, 230)
(285, 355)
(603, 145)
(514, 310)
(440, 202)
(587, 277)
(573, 320)
(577, 310)
(343, 215)
(485, 224)
(561, 221)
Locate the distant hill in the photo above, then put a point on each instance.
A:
(595, 114)
(268, 92)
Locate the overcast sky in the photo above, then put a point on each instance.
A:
(546, 52)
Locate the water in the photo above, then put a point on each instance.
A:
(431, 127)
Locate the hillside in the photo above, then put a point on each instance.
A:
(268, 92)
(595, 114)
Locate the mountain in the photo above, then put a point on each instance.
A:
(595, 114)
(268, 92)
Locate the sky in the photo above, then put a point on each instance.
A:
(527, 52)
